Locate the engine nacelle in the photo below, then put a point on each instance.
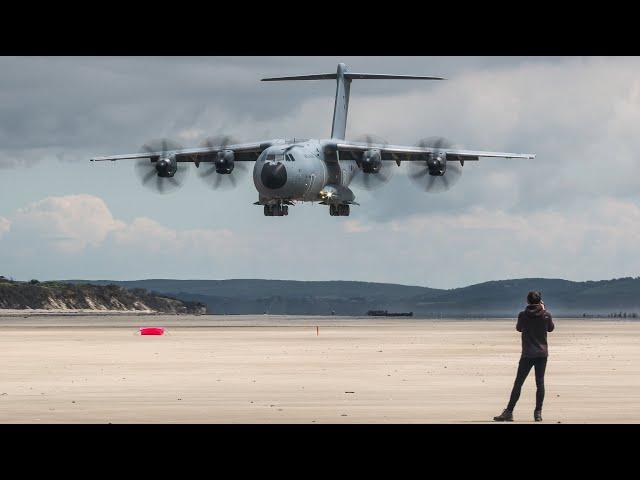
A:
(437, 164)
(371, 161)
(225, 162)
(167, 166)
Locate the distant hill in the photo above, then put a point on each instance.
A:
(80, 296)
(495, 298)
(561, 296)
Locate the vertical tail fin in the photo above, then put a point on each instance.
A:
(341, 106)
(343, 87)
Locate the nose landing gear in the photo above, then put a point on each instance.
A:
(277, 210)
(341, 210)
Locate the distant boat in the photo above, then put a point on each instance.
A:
(384, 313)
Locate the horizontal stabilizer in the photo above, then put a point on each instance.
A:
(319, 76)
(353, 76)
(384, 76)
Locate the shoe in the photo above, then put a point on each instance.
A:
(537, 415)
(505, 416)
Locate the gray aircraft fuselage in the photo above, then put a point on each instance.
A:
(298, 171)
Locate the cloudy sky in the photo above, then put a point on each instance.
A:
(572, 213)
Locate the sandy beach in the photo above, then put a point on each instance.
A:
(265, 369)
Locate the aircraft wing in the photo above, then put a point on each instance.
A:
(244, 152)
(400, 153)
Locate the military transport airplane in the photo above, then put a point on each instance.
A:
(309, 170)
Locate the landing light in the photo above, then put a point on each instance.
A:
(327, 194)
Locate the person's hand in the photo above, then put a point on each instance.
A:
(543, 307)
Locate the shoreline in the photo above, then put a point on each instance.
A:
(184, 321)
(27, 312)
(69, 313)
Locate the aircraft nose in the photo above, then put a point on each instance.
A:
(273, 175)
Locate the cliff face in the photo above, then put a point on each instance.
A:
(67, 296)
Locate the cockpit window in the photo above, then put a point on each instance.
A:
(290, 158)
(280, 157)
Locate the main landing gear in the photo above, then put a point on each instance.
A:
(277, 210)
(341, 210)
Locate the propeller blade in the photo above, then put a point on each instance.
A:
(224, 181)
(419, 174)
(160, 146)
(430, 183)
(219, 140)
(145, 170)
(206, 173)
(148, 176)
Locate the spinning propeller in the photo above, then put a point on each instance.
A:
(223, 162)
(373, 172)
(450, 172)
(161, 172)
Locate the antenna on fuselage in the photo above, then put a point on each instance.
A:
(343, 87)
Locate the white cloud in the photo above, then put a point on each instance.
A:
(148, 235)
(75, 222)
(5, 225)
(68, 223)
(69, 233)
(355, 226)
(582, 243)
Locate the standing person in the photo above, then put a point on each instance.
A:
(534, 322)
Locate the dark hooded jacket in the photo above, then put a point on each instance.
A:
(534, 322)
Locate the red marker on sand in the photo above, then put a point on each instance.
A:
(152, 331)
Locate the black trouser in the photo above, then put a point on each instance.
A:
(524, 367)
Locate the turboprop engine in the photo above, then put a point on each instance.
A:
(437, 164)
(160, 171)
(371, 161)
(225, 162)
(166, 167)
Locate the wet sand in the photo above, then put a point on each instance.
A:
(265, 369)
